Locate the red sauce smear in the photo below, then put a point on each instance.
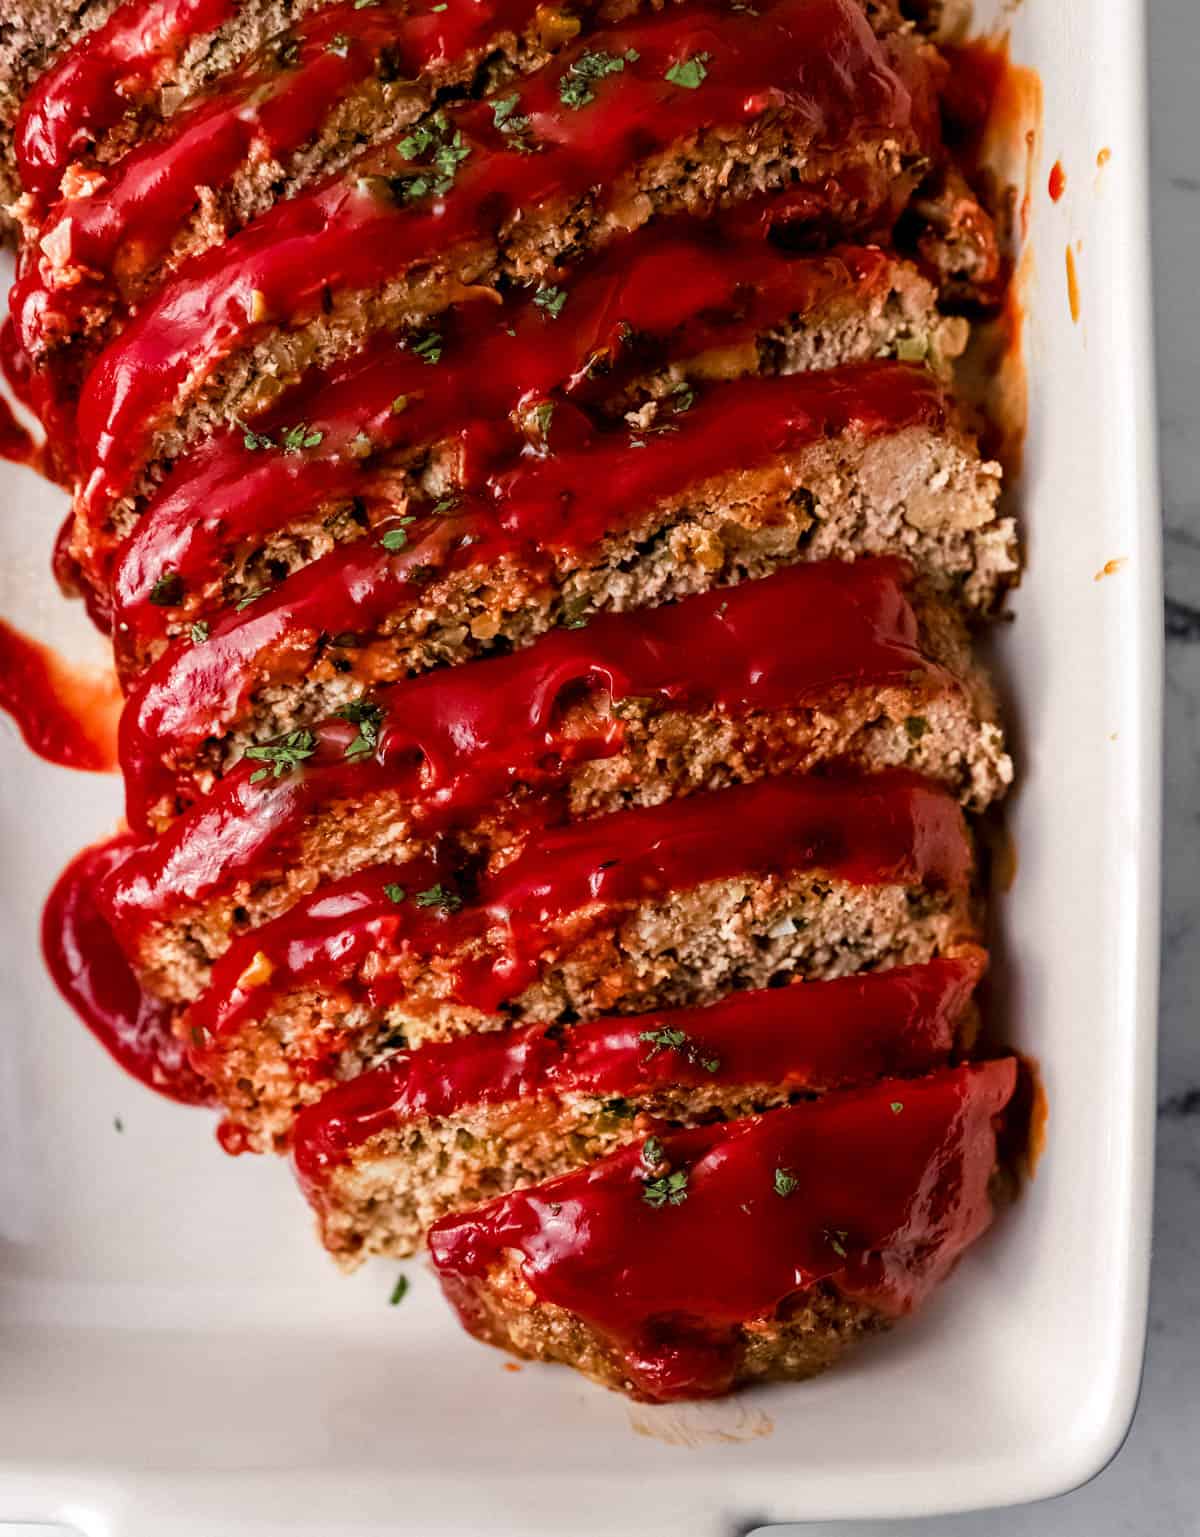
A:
(538, 514)
(457, 740)
(1058, 181)
(66, 714)
(270, 107)
(670, 291)
(93, 975)
(817, 60)
(811, 1036)
(890, 827)
(16, 444)
(96, 81)
(885, 1200)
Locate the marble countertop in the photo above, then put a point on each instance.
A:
(1153, 1486)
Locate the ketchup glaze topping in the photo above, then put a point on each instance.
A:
(94, 976)
(457, 740)
(671, 291)
(880, 1202)
(890, 827)
(540, 514)
(66, 715)
(95, 82)
(810, 1036)
(817, 62)
(269, 108)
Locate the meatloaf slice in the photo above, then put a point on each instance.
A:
(802, 92)
(629, 711)
(758, 474)
(700, 1259)
(649, 317)
(648, 908)
(442, 1128)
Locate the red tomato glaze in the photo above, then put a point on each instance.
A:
(888, 827)
(811, 1036)
(67, 715)
(816, 60)
(91, 972)
(889, 1186)
(567, 502)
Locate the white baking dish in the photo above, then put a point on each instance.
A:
(177, 1356)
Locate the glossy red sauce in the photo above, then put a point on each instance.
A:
(97, 80)
(16, 444)
(1058, 181)
(670, 291)
(93, 975)
(457, 740)
(67, 714)
(815, 60)
(812, 1036)
(884, 1203)
(267, 108)
(891, 827)
(540, 513)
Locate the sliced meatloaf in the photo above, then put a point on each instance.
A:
(444, 1127)
(756, 475)
(648, 908)
(801, 93)
(822, 664)
(651, 316)
(682, 1265)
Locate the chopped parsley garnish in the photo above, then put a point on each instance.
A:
(446, 503)
(513, 124)
(252, 597)
(256, 440)
(200, 632)
(683, 398)
(339, 43)
(896, 1106)
(575, 87)
(689, 73)
(168, 590)
(837, 1241)
(575, 616)
(368, 718)
(551, 300)
(282, 757)
(429, 347)
(785, 1182)
(916, 726)
(652, 1152)
(399, 404)
(396, 538)
(439, 896)
(668, 1189)
(543, 415)
(300, 437)
(670, 1039)
(394, 893)
(399, 1291)
(437, 174)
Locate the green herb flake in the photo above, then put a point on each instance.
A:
(446, 504)
(429, 348)
(550, 300)
(394, 893)
(543, 415)
(399, 1291)
(669, 1189)
(439, 896)
(396, 538)
(785, 1182)
(168, 590)
(897, 1106)
(837, 1241)
(689, 73)
(399, 404)
(339, 43)
(670, 1039)
(252, 597)
(256, 440)
(652, 1152)
(368, 718)
(916, 726)
(361, 5)
(300, 437)
(282, 757)
(199, 632)
(683, 398)
(575, 87)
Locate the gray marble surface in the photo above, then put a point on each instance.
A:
(1153, 1486)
